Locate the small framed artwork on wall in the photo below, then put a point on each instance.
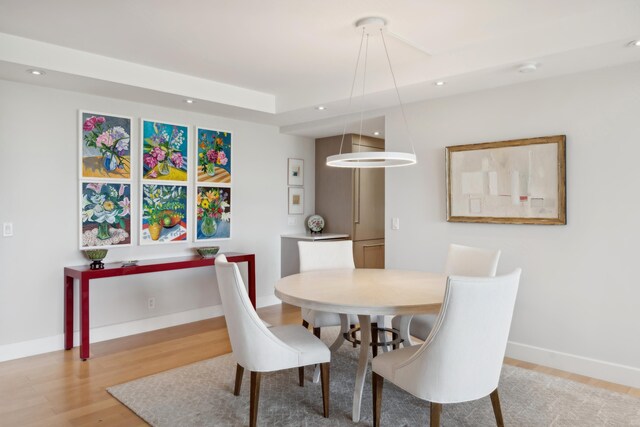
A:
(295, 172)
(296, 201)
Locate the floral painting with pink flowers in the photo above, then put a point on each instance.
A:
(164, 151)
(106, 214)
(214, 156)
(106, 149)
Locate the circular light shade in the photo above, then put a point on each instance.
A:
(383, 159)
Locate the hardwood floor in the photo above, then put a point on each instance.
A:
(57, 389)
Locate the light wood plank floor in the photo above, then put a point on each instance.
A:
(57, 389)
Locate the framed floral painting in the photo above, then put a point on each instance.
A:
(214, 156)
(213, 213)
(164, 214)
(164, 151)
(105, 214)
(105, 146)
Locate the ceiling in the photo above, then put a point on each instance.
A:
(275, 61)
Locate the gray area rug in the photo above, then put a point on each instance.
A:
(201, 394)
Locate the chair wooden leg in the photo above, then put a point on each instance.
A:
(324, 378)
(377, 382)
(305, 324)
(436, 408)
(495, 402)
(301, 375)
(239, 372)
(353, 335)
(254, 399)
(316, 332)
(374, 339)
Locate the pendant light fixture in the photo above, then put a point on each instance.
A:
(361, 159)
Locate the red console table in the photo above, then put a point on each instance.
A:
(84, 275)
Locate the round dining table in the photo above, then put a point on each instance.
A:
(365, 293)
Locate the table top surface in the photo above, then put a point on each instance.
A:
(195, 259)
(364, 291)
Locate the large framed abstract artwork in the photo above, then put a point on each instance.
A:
(508, 182)
(105, 214)
(213, 156)
(105, 150)
(164, 151)
(213, 213)
(164, 214)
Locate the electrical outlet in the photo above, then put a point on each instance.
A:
(291, 220)
(151, 304)
(7, 229)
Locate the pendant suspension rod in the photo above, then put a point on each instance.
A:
(353, 85)
(395, 84)
(364, 79)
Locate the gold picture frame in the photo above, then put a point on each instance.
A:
(521, 181)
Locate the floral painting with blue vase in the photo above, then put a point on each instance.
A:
(106, 214)
(213, 213)
(164, 151)
(106, 146)
(214, 156)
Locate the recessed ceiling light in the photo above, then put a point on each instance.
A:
(189, 101)
(321, 107)
(635, 43)
(440, 83)
(376, 133)
(528, 68)
(36, 72)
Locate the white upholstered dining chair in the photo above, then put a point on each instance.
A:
(461, 261)
(462, 358)
(325, 256)
(260, 349)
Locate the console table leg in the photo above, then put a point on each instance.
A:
(252, 279)
(84, 319)
(68, 312)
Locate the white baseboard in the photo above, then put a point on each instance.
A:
(104, 333)
(599, 369)
(267, 301)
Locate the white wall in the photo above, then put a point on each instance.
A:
(39, 194)
(578, 306)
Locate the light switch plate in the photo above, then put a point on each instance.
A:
(395, 223)
(7, 229)
(292, 220)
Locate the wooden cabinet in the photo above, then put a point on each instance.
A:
(369, 253)
(352, 200)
